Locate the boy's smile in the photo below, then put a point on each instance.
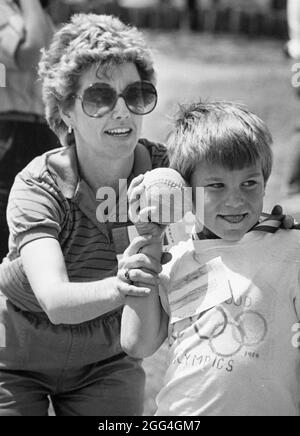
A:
(233, 199)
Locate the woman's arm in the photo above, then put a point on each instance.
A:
(66, 302)
(63, 301)
(38, 33)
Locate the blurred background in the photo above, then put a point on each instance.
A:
(214, 49)
(256, 17)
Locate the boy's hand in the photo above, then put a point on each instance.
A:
(138, 213)
(137, 267)
(287, 221)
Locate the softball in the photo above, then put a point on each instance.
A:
(168, 195)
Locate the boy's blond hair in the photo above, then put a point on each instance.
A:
(218, 133)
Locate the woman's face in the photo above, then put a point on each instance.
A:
(116, 133)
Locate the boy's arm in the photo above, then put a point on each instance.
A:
(144, 324)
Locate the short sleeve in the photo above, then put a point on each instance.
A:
(159, 156)
(34, 210)
(12, 33)
(158, 153)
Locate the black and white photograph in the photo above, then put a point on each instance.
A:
(149, 211)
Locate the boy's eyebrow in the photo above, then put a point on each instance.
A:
(220, 179)
(215, 178)
(257, 174)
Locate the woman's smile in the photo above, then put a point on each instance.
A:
(118, 132)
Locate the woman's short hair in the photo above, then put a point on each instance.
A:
(218, 133)
(88, 39)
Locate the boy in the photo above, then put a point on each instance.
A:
(229, 299)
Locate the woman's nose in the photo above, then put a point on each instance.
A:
(120, 111)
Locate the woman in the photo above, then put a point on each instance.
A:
(60, 306)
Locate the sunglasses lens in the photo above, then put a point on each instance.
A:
(140, 97)
(98, 100)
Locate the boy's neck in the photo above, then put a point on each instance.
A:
(208, 234)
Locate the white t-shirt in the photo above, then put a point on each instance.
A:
(234, 326)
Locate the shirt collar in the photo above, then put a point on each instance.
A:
(64, 168)
(267, 223)
(63, 165)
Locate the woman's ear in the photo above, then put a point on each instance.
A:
(65, 116)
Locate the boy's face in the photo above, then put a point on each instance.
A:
(233, 199)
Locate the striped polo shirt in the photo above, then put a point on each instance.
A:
(48, 199)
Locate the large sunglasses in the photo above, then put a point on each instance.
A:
(100, 98)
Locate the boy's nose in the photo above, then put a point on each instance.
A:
(235, 200)
(121, 111)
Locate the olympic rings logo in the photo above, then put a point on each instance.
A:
(227, 336)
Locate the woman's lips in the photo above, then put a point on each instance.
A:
(118, 132)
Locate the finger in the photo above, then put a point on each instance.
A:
(136, 181)
(132, 290)
(144, 276)
(136, 194)
(277, 210)
(148, 262)
(166, 257)
(153, 229)
(135, 246)
(138, 292)
(138, 261)
(145, 213)
(137, 207)
(135, 187)
(122, 275)
(139, 213)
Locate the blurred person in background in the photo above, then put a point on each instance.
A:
(293, 21)
(60, 309)
(25, 27)
(292, 51)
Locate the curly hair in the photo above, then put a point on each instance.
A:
(88, 39)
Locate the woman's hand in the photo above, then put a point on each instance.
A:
(136, 267)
